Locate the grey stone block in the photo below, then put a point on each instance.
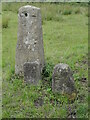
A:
(32, 72)
(62, 79)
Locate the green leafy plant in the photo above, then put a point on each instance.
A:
(47, 70)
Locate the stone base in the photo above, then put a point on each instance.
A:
(32, 72)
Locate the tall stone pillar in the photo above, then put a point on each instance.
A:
(30, 40)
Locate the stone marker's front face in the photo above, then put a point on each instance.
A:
(32, 72)
(62, 79)
(30, 40)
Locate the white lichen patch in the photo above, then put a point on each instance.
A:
(32, 49)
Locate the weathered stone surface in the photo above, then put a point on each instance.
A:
(32, 72)
(30, 41)
(62, 79)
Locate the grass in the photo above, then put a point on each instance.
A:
(65, 39)
(0, 64)
(5, 22)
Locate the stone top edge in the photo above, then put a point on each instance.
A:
(32, 62)
(62, 65)
(28, 7)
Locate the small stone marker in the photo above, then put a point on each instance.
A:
(30, 40)
(32, 72)
(62, 80)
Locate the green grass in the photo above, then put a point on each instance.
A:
(65, 39)
(5, 22)
(0, 64)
